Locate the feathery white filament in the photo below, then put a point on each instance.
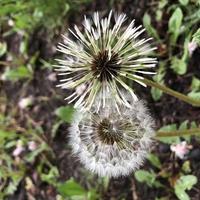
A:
(112, 143)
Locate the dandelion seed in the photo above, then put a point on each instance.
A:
(112, 143)
(102, 58)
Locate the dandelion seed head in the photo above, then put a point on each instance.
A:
(111, 143)
(102, 56)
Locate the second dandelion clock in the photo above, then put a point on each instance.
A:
(112, 143)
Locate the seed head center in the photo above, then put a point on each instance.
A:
(105, 66)
(108, 132)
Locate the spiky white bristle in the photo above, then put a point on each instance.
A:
(102, 57)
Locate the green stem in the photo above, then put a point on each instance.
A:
(193, 131)
(4, 63)
(171, 92)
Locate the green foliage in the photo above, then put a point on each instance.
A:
(154, 160)
(174, 25)
(65, 113)
(184, 2)
(7, 174)
(195, 86)
(30, 157)
(147, 24)
(71, 188)
(196, 37)
(169, 140)
(18, 73)
(31, 14)
(159, 77)
(51, 176)
(194, 95)
(173, 127)
(3, 48)
(6, 135)
(159, 10)
(186, 167)
(149, 178)
(178, 65)
(184, 183)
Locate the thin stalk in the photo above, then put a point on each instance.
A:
(4, 63)
(169, 91)
(192, 131)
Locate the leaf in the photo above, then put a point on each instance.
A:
(169, 140)
(174, 24)
(30, 157)
(181, 194)
(6, 135)
(162, 4)
(183, 125)
(156, 94)
(149, 178)
(184, 183)
(16, 74)
(196, 37)
(159, 77)
(178, 65)
(194, 95)
(10, 8)
(3, 48)
(193, 124)
(184, 2)
(154, 160)
(65, 113)
(55, 127)
(195, 84)
(51, 176)
(149, 27)
(71, 188)
(186, 51)
(145, 176)
(170, 127)
(92, 194)
(186, 166)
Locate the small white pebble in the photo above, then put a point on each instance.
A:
(10, 22)
(25, 102)
(52, 77)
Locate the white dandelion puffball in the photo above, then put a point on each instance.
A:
(111, 143)
(102, 57)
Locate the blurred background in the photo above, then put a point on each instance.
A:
(35, 159)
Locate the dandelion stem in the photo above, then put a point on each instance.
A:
(171, 92)
(4, 63)
(192, 131)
